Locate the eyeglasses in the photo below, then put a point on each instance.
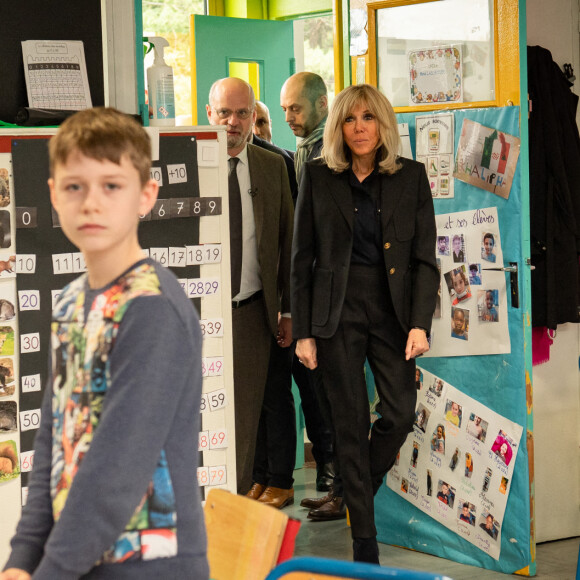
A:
(227, 113)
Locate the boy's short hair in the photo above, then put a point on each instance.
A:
(104, 134)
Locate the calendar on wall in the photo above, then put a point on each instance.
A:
(56, 75)
(186, 231)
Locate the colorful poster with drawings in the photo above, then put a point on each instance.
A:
(457, 464)
(471, 311)
(486, 158)
(434, 137)
(435, 75)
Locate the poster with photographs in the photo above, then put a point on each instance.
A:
(457, 464)
(435, 138)
(471, 311)
(486, 158)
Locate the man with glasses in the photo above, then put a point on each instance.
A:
(261, 221)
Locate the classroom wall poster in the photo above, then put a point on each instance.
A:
(435, 75)
(471, 315)
(434, 136)
(457, 464)
(486, 158)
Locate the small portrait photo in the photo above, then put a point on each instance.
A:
(9, 463)
(458, 247)
(8, 421)
(418, 378)
(477, 427)
(468, 465)
(429, 482)
(437, 312)
(6, 341)
(487, 479)
(487, 305)
(404, 485)
(453, 412)
(455, 459)
(415, 454)
(460, 323)
(502, 447)
(438, 439)
(443, 245)
(7, 310)
(421, 417)
(5, 236)
(445, 493)
(466, 512)
(458, 285)
(437, 387)
(489, 525)
(503, 486)
(487, 247)
(7, 385)
(475, 274)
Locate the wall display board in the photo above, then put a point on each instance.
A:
(185, 232)
(475, 388)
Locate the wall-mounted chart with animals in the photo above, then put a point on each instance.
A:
(185, 231)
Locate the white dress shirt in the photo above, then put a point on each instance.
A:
(251, 280)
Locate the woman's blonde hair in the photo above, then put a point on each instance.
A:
(335, 152)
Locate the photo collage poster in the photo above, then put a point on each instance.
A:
(471, 316)
(435, 138)
(9, 452)
(457, 464)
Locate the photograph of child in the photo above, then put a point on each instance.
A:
(443, 245)
(468, 465)
(458, 251)
(453, 412)
(488, 245)
(489, 526)
(502, 447)
(466, 512)
(503, 485)
(438, 439)
(454, 459)
(475, 274)
(421, 417)
(404, 485)
(460, 323)
(458, 284)
(415, 454)
(476, 427)
(418, 379)
(445, 493)
(437, 387)
(487, 303)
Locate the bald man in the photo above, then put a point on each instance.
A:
(263, 125)
(262, 290)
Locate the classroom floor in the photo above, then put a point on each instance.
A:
(555, 560)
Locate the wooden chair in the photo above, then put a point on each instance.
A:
(244, 536)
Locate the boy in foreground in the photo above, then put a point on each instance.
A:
(113, 493)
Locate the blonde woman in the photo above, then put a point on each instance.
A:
(364, 286)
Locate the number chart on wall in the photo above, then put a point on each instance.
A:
(184, 232)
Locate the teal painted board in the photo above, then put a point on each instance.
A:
(220, 40)
(496, 381)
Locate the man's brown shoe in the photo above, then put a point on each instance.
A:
(335, 509)
(277, 497)
(256, 491)
(315, 502)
